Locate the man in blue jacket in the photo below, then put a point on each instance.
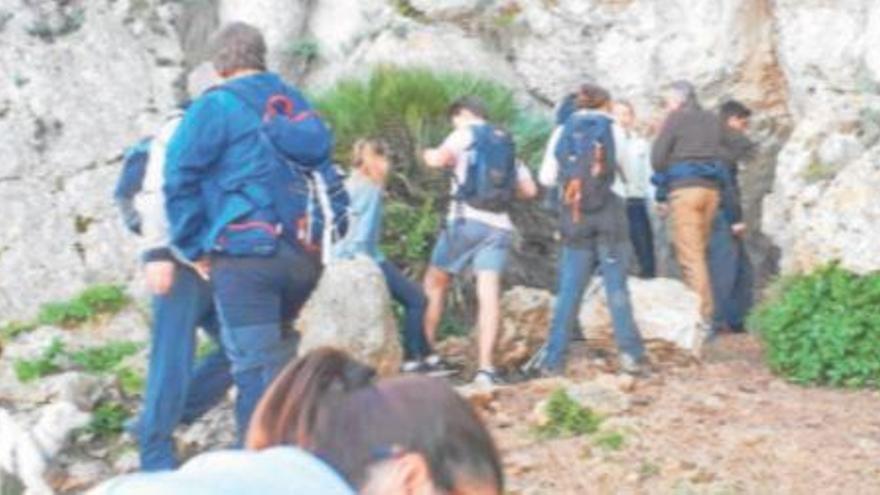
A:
(219, 167)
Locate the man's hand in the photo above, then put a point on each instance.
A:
(739, 229)
(202, 266)
(160, 276)
(662, 210)
(438, 157)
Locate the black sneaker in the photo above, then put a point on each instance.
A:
(439, 367)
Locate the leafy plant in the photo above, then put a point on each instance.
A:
(105, 358)
(89, 304)
(410, 232)
(13, 329)
(610, 440)
(567, 418)
(108, 420)
(130, 381)
(31, 369)
(823, 328)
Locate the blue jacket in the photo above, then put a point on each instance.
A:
(715, 171)
(215, 149)
(365, 229)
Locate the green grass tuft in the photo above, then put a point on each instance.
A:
(88, 305)
(106, 358)
(610, 440)
(567, 418)
(27, 370)
(108, 420)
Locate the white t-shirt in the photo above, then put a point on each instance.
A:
(459, 144)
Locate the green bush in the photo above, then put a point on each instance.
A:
(823, 328)
(108, 420)
(105, 358)
(13, 329)
(567, 418)
(88, 305)
(31, 369)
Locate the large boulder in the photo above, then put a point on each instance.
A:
(525, 319)
(665, 310)
(351, 310)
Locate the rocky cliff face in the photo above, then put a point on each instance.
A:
(83, 79)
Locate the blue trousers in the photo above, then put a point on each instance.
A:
(175, 392)
(412, 298)
(732, 277)
(258, 298)
(577, 266)
(641, 234)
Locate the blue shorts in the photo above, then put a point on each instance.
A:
(471, 243)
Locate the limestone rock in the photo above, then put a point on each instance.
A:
(665, 310)
(525, 320)
(351, 310)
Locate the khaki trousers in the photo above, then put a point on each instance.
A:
(693, 210)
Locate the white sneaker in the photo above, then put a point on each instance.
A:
(487, 378)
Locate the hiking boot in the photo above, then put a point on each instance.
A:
(417, 367)
(487, 378)
(439, 367)
(632, 366)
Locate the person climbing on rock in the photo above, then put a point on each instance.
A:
(690, 179)
(176, 390)
(633, 154)
(366, 187)
(253, 200)
(729, 263)
(486, 179)
(581, 160)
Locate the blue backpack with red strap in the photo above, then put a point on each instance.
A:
(302, 198)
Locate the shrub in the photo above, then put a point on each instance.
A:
(108, 420)
(567, 418)
(105, 358)
(31, 369)
(13, 329)
(130, 381)
(88, 305)
(823, 328)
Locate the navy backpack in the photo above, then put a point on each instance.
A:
(302, 198)
(587, 164)
(491, 180)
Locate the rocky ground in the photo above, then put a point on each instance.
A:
(727, 426)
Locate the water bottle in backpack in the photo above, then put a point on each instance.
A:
(491, 180)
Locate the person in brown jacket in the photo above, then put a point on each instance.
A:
(690, 180)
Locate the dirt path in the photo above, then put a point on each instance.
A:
(725, 427)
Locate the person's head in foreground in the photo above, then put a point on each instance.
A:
(466, 111)
(735, 115)
(238, 49)
(399, 436)
(370, 157)
(409, 436)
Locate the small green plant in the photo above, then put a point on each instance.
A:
(105, 358)
(13, 329)
(817, 171)
(88, 305)
(306, 49)
(108, 420)
(31, 369)
(567, 418)
(406, 9)
(823, 328)
(452, 326)
(610, 440)
(130, 381)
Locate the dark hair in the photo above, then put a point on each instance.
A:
(471, 104)
(287, 413)
(415, 414)
(379, 146)
(592, 96)
(238, 46)
(734, 108)
(565, 108)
